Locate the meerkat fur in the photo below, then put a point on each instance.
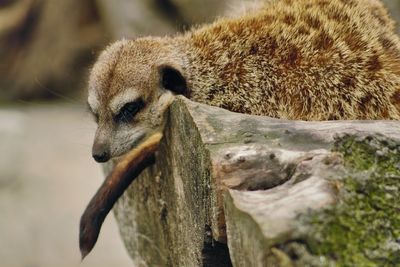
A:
(289, 59)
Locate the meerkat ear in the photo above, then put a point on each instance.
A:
(173, 80)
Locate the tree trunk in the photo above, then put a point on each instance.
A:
(234, 189)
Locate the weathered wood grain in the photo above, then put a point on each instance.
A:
(259, 184)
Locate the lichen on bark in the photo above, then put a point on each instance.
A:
(337, 204)
(363, 227)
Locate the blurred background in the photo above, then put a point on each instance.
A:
(47, 175)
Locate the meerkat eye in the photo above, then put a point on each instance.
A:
(129, 110)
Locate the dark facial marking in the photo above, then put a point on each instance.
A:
(128, 111)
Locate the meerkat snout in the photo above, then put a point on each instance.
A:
(100, 151)
(101, 158)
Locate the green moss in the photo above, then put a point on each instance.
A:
(363, 228)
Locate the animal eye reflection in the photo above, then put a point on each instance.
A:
(128, 111)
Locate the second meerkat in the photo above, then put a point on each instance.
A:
(290, 59)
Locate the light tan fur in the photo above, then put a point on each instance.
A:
(291, 59)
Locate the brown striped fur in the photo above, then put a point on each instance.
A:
(291, 59)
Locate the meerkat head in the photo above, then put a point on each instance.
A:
(130, 87)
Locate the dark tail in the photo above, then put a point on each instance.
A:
(132, 164)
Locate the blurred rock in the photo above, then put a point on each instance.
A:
(127, 18)
(394, 9)
(50, 44)
(47, 44)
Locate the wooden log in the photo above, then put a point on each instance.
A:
(278, 193)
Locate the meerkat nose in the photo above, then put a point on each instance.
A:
(101, 157)
(101, 151)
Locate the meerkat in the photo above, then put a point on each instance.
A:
(289, 59)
